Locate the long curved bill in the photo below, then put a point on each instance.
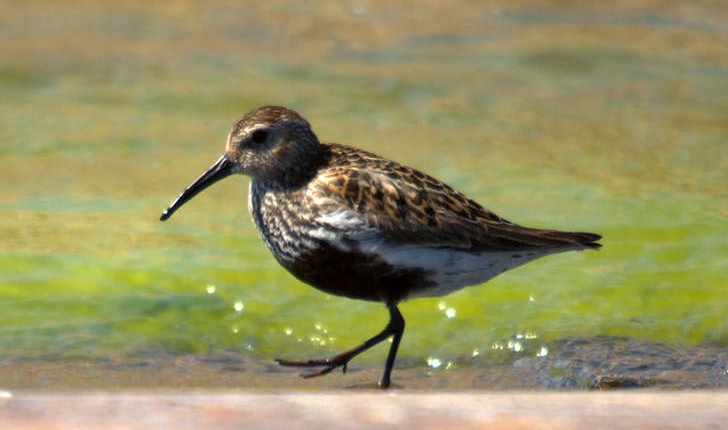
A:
(221, 169)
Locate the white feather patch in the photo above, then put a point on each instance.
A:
(333, 224)
(450, 269)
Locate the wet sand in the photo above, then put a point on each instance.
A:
(574, 363)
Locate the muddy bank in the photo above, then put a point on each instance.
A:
(601, 362)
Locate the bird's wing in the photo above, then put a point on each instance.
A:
(367, 193)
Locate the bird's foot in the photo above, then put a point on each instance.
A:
(327, 364)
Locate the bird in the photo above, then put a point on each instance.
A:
(354, 224)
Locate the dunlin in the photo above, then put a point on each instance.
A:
(354, 224)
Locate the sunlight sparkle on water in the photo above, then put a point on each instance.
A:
(515, 346)
(317, 340)
(527, 335)
(210, 289)
(434, 362)
(320, 327)
(450, 312)
(238, 306)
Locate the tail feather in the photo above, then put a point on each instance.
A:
(587, 240)
(514, 236)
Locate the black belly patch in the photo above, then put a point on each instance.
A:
(357, 275)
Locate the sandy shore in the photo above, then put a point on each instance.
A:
(341, 410)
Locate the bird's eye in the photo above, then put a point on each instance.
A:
(259, 136)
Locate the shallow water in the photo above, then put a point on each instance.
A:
(601, 120)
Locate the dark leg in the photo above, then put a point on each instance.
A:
(396, 322)
(394, 328)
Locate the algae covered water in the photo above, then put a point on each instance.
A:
(560, 117)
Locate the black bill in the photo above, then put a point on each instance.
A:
(221, 169)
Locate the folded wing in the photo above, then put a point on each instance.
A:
(410, 208)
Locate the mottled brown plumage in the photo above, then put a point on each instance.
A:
(411, 207)
(354, 224)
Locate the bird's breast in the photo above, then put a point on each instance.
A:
(282, 221)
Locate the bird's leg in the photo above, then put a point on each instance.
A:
(396, 323)
(394, 328)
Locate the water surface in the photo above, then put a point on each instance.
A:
(556, 116)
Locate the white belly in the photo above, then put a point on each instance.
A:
(450, 269)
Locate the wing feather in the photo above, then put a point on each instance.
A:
(411, 208)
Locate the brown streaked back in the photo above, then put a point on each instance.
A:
(410, 207)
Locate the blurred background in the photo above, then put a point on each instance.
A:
(569, 115)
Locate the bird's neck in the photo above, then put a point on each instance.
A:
(297, 173)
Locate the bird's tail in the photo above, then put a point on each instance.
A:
(516, 236)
